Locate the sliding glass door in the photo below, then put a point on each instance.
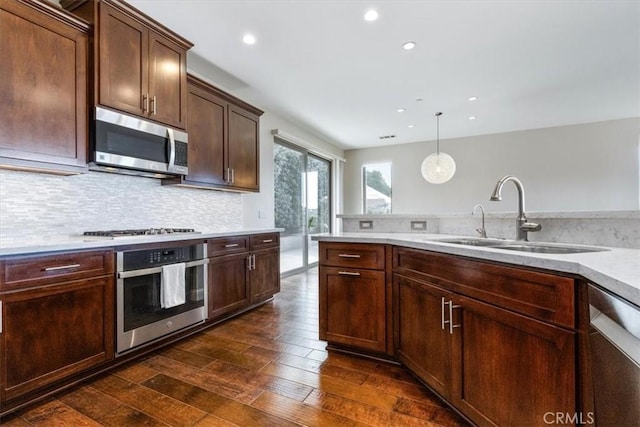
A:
(302, 196)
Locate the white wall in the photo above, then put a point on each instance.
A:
(592, 166)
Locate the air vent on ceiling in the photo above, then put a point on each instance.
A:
(387, 136)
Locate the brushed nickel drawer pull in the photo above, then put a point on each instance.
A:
(348, 273)
(267, 241)
(231, 245)
(155, 106)
(61, 267)
(348, 256)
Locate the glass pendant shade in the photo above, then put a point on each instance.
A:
(438, 168)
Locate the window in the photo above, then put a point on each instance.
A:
(376, 188)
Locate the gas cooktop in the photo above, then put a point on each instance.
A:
(113, 234)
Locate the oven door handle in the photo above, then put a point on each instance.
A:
(154, 270)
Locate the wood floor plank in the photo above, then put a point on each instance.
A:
(90, 402)
(345, 374)
(55, 413)
(195, 396)
(126, 416)
(135, 372)
(299, 412)
(244, 360)
(361, 412)
(214, 421)
(154, 404)
(223, 343)
(430, 412)
(227, 387)
(187, 357)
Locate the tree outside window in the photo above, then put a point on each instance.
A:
(376, 188)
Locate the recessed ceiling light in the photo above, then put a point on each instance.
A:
(419, 100)
(408, 45)
(249, 39)
(400, 110)
(473, 98)
(371, 15)
(411, 126)
(472, 118)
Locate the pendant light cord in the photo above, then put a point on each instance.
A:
(438, 114)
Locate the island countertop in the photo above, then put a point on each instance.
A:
(616, 269)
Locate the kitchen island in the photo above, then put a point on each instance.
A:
(502, 337)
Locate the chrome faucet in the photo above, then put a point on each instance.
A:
(481, 231)
(522, 225)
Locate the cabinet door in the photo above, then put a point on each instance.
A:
(510, 369)
(43, 88)
(352, 307)
(207, 130)
(54, 332)
(228, 284)
(123, 62)
(265, 277)
(423, 341)
(244, 148)
(167, 81)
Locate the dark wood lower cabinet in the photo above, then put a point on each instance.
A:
(53, 332)
(228, 284)
(423, 343)
(353, 307)
(243, 272)
(510, 369)
(265, 275)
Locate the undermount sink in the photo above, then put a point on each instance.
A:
(532, 247)
(472, 242)
(549, 249)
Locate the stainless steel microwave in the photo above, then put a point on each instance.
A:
(134, 146)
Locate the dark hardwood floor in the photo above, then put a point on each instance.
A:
(265, 368)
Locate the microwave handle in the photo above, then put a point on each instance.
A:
(155, 270)
(172, 149)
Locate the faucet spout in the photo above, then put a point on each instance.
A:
(481, 231)
(522, 226)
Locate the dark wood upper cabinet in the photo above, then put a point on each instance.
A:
(224, 140)
(43, 87)
(140, 65)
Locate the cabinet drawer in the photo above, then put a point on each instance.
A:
(354, 255)
(545, 296)
(227, 245)
(263, 241)
(22, 272)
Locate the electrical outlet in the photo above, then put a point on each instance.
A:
(419, 225)
(366, 225)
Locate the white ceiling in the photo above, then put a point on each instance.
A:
(532, 64)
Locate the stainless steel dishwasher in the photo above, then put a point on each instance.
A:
(615, 352)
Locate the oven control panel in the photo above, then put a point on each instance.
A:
(135, 260)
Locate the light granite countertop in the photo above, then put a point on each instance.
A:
(617, 269)
(79, 242)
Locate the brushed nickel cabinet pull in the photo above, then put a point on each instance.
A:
(61, 267)
(145, 102)
(0, 317)
(249, 263)
(155, 105)
(348, 256)
(253, 257)
(451, 325)
(233, 175)
(267, 241)
(348, 273)
(231, 245)
(442, 313)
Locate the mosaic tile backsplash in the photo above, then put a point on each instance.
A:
(43, 207)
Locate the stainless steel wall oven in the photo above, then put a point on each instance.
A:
(147, 281)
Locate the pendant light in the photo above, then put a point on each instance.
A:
(438, 167)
